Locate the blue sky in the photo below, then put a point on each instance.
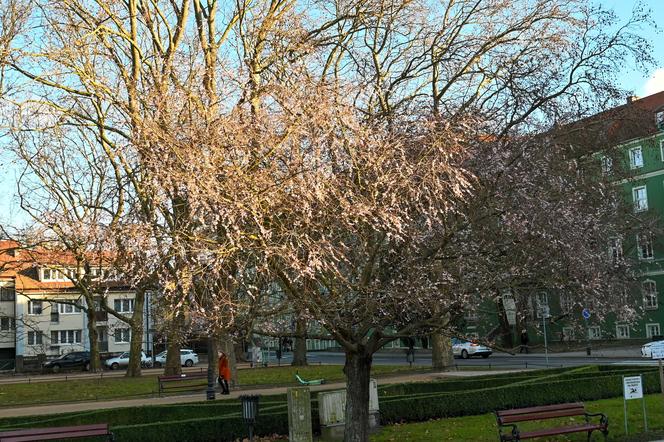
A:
(640, 83)
(643, 84)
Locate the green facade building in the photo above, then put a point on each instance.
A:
(637, 145)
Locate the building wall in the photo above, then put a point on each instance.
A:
(70, 327)
(7, 332)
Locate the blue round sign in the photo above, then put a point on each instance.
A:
(586, 313)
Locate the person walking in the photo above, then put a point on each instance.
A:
(524, 341)
(224, 373)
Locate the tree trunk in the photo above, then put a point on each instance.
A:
(173, 362)
(93, 335)
(213, 355)
(357, 370)
(136, 345)
(441, 352)
(300, 350)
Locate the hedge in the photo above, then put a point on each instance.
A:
(221, 420)
(424, 407)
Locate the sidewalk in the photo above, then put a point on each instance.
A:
(47, 409)
(606, 352)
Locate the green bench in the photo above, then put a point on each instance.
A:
(312, 382)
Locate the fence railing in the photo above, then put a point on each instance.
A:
(7, 364)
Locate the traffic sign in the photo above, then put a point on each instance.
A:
(586, 313)
(632, 387)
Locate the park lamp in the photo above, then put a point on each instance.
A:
(250, 411)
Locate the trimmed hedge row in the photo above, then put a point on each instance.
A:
(409, 409)
(221, 420)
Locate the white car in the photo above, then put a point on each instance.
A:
(187, 358)
(646, 350)
(465, 349)
(123, 361)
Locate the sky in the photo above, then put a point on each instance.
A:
(640, 83)
(643, 84)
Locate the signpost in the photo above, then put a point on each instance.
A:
(545, 315)
(657, 352)
(633, 389)
(586, 316)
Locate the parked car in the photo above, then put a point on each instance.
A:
(646, 350)
(465, 349)
(123, 361)
(75, 359)
(187, 358)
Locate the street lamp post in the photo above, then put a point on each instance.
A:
(250, 412)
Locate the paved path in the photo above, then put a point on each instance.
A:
(97, 405)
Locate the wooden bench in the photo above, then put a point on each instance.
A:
(509, 418)
(37, 434)
(179, 382)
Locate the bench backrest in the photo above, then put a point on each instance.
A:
(182, 377)
(37, 434)
(539, 413)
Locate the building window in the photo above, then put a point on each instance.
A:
(66, 337)
(35, 307)
(635, 157)
(49, 274)
(649, 289)
(615, 250)
(607, 165)
(659, 119)
(652, 330)
(622, 331)
(35, 338)
(5, 323)
(7, 294)
(566, 303)
(122, 335)
(568, 333)
(68, 309)
(661, 148)
(644, 246)
(594, 332)
(640, 197)
(123, 305)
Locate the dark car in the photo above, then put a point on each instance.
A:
(75, 359)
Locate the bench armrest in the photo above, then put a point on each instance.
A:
(603, 419)
(514, 431)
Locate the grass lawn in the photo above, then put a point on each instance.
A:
(483, 427)
(116, 388)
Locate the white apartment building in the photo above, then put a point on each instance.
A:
(41, 312)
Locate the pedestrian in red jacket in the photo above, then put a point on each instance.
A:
(224, 373)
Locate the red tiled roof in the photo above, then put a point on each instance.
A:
(21, 264)
(632, 120)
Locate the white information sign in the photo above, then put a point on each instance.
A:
(657, 351)
(632, 387)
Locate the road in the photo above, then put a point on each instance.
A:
(422, 359)
(497, 360)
